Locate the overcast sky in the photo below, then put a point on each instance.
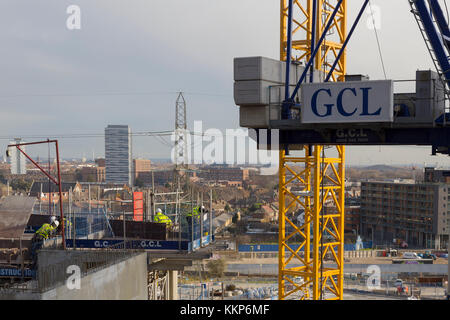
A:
(130, 58)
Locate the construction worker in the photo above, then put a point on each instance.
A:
(67, 223)
(162, 218)
(43, 233)
(193, 218)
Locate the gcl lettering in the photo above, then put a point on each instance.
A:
(151, 244)
(100, 244)
(338, 101)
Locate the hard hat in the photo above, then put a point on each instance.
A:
(55, 223)
(203, 207)
(52, 218)
(158, 210)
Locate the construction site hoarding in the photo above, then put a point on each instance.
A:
(10, 272)
(347, 102)
(130, 244)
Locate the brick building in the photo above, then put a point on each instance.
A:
(224, 174)
(93, 174)
(45, 192)
(413, 212)
(141, 166)
(100, 162)
(352, 219)
(433, 175)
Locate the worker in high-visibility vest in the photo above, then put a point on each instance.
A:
(162, 218)
(46, 231)
(193, 218)
(67, 223)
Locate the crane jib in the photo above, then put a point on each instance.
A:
(435, 35)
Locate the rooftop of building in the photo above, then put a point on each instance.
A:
(44, 186)
(393, 181)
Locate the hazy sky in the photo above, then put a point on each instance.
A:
(130, 58)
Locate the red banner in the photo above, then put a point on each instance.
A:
(138, 206)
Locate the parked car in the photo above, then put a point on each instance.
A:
(398, 283)
(429, 255)
(410, 255)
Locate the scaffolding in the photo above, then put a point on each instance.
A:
(177, 204)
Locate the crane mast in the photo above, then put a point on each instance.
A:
(312, 182)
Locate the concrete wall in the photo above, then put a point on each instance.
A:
(18, 295)
(126, 280)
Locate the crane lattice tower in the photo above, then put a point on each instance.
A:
(312, 183)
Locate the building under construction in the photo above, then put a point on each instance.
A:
(416, 213)
(305, 103)
(142, 258)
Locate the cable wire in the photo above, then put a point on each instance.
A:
(378, 40)
(87, 135)
(109, 93)
(101, 135)
(446, 9)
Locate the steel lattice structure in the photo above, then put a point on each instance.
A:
(312, 182)
(303, 36)
(181, 149)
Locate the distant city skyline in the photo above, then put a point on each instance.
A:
(169, 161)
(356, 156)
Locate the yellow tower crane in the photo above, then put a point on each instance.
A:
(311, 181)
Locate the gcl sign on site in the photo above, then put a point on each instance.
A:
(347, 102)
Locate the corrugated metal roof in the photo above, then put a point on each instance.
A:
(14, 214)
